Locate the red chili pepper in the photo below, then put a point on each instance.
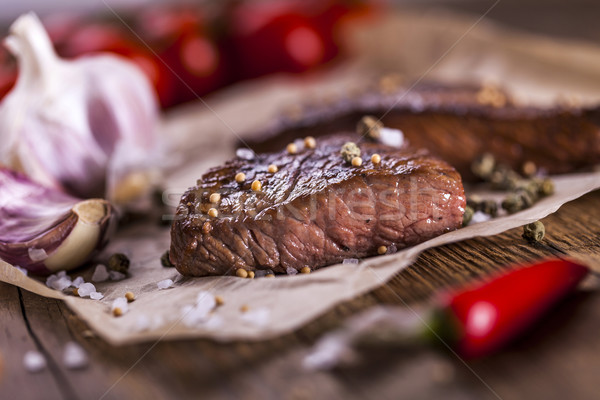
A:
(484, 318)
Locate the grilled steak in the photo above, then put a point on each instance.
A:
(454, 124)
(315, 210)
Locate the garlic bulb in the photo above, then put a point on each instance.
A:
(84, 126)
(44, 230)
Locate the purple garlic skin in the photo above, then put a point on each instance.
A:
(83, 126)
(44, 230)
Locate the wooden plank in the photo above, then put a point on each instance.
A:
(15, 341)
(272, 369)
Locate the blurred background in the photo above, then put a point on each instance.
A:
(193, 48)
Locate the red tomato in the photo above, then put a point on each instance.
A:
(275, 39)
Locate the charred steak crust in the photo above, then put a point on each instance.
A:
(315, 210)
(451, 123)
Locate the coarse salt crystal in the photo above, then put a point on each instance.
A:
(96, 295)
(213, 322)
(291, 271)
(116, 275)
(391, 137)
(120, 302)
(85, 289)
(165, 284)
(479, 217)
(77, 282)
(258, 317)
(100, 273)
(61, 283)
(244, 153)
(328, 352)
(350, 261)
(259, 273)
(34, 361)
(74, 356)
(23, 270)
(37, 254)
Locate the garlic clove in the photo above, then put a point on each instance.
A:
(84, 126)
(44, 230)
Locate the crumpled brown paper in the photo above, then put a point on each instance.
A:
(206, 137)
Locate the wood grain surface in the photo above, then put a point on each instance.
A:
(558, 359)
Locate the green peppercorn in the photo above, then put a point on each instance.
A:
(512, 203)
(369, 126)
(165, 260)
(474, 202)
(349, 151)
(468, 215)
(483, 166)
(119, 262)
(490, 207)
(546, 187)
(534, 232)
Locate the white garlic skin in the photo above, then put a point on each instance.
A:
(79, 125)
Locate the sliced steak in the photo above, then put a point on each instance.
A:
(455, 125)
(315, 210)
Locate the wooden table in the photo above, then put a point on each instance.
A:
(559, 359)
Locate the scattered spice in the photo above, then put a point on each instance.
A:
(349, 151)
(240, 177)
(213, 212)
(381, 250)
(256, 186)
(305, 270)
(534, 232)
(214, 198)
(130, 296)
(119, 262)
(529, 169)
(369, 126)
(356, 162)
(165, 261)
(269, 276)
(483, 166)
(292, 148)
(251, 274)
(492, 96)
(244, 308)
(376, 158)
(219, 300)
(272, 168)
(242, 273)
(76, 292)
(117, 312)
(310, 142)
(468, 215)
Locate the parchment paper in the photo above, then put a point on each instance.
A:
(203, 138)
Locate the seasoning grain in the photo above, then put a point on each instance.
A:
(310, 142)
(240, 177)
(382, 250)
(117, 312)
(272, 168)
(256, 186)
(292, 148)
(251, 274)
(213, 212)
(219, 300)
(214, 198)
(242, 273)
(130, 296)
(356, 162)
(305, 270)
(375, 158)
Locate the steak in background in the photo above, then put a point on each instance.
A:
(315, 210)
(457, 124)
